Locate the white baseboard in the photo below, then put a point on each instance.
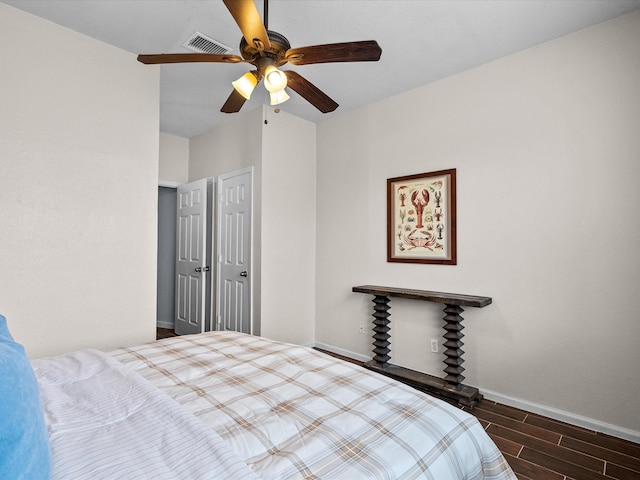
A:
(543, 410)
(161, 324)
(563, 416)
(342, 351)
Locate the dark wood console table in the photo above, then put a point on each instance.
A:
(450, 387)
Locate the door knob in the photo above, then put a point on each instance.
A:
(206, 269)
(198, 269)
(243, 274)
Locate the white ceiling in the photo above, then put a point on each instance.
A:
(421, 41)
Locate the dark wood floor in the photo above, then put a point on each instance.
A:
(538, 447)
(164, 333)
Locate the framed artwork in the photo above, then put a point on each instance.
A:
(421, 218)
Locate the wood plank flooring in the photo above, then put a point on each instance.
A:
(164, 333)
(540, 448)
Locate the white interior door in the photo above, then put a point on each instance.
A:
(234, 275)
(191, 257)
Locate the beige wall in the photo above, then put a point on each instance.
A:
(282, 153)
(546, 146)
(288, 229)
(173, 159)
(78, 189)
(232, 146)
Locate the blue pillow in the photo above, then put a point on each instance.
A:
(24, 441)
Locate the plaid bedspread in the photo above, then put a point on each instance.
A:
(293, 412)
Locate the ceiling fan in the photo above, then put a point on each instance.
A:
(267, 50)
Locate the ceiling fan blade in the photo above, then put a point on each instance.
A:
(246, 15)
(187, 57)
(364, 51)
(310, 92)
(234, 103)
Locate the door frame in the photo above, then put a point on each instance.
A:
(174, 186)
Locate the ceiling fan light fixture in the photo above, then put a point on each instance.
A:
(274, 80)
(279, 97)
(245, 84)
(267, 50)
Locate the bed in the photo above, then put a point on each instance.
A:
(225, 405)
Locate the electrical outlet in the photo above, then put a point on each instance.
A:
(361, 328)
(434, 345)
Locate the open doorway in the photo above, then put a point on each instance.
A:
(166, 300)
(175, 295)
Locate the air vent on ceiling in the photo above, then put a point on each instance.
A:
(203, 44)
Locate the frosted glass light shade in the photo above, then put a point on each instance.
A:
(274, 79)
(245, 84)
(279, 97)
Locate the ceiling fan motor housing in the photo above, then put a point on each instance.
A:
(279, 47)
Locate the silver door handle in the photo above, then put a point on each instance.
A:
(206, 269)
(198, 269)
(243, 274)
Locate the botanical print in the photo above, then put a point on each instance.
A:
(422, 217)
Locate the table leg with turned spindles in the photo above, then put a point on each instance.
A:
(450, 387)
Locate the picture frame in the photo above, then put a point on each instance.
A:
(421, 218)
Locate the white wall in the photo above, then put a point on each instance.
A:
(78, 189)
(546, 145)
(174, 159)
(288, 228)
